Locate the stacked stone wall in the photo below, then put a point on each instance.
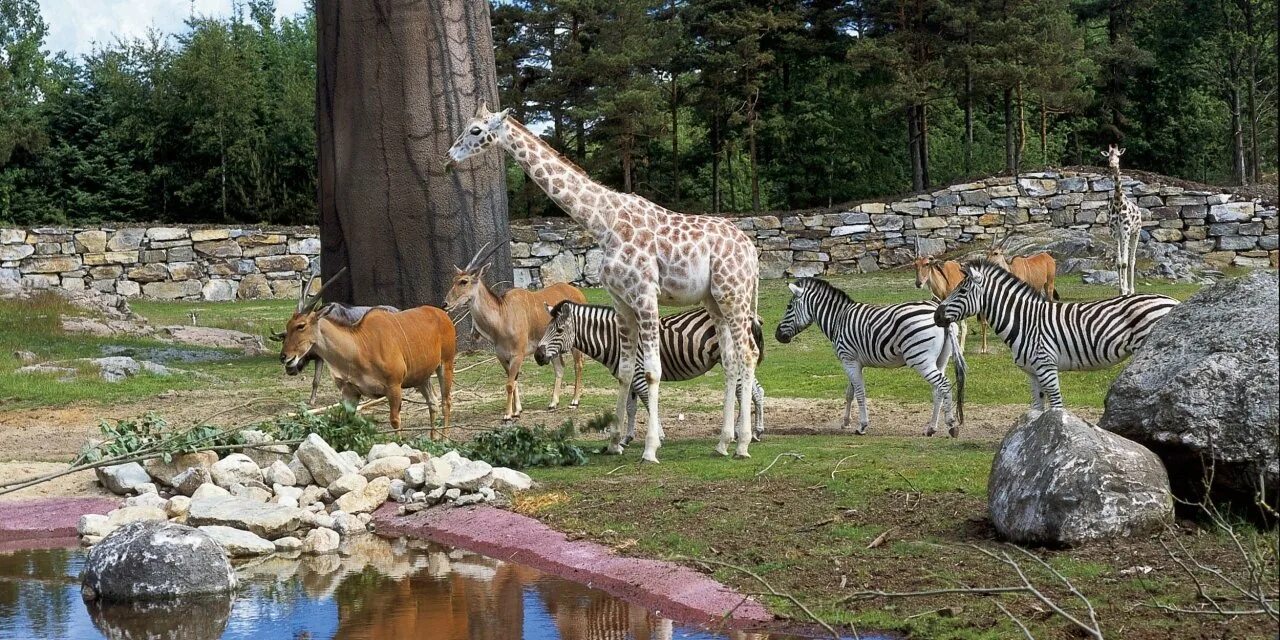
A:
(226, 264)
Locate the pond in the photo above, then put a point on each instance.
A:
(379, 589)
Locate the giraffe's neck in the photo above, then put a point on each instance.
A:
(1117, 193)
(564, 182)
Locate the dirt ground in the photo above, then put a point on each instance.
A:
(35, 441)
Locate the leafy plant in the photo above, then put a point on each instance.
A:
(600, 423)
(516, 446)
(150, 432)
(342, 427)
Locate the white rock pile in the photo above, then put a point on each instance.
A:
(273, 499)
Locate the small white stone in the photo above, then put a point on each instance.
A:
(94, 524)
(178, 507)
(321, 541)
(287, 543)
(346, 484)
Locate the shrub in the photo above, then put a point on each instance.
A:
(152, 432)
(342, 427)
(517, 447)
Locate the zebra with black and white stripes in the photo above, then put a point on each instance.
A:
(879, 336)
(1046, 336)
(687, 346)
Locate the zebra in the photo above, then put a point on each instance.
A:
(880, 336)
(1046, 336)
(687, 347)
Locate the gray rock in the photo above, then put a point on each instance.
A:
(260, 450)
(178, 507)
(210, 490)
(470, 498)
(436, 472)
(389, 466)
(287, 543)
(383, 451)
(1059, 480)
(122, 479)
(117, 368)
(239, 544)
(354, 459)
(1103, 277)
(94, 524)
(346, 523)
(166, 472)
(510, 480)
(141, 513)
(398, 491)
(321, 541)
(471, 476)
(254, 493)
(279, 473)
(1204, 386)
(346, 484)
(324, 464)
(192, 479)
(312, 494)
(264, 519)
(146, 500)
(415, 474)
(233, 469)
(302, 477)
(452, 494)
(155, 561)
(366, 499)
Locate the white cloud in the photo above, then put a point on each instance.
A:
(76, 26)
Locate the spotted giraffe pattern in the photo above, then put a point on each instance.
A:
(1126, 223)
(651, 256)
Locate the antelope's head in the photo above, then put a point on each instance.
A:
(468, 280)
(481, 132)
(300, 331)
(923, 266)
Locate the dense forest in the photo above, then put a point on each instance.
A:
(701, 105)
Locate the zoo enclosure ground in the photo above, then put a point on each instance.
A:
(927, 493)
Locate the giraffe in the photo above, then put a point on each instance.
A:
(1126, 223)
(651, 256)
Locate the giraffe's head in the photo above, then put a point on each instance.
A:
(481, 132)
(1112, 154)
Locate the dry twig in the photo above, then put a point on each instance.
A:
(789, 454)
(706, 564)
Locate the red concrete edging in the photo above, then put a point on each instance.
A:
(667, 589)
(24, 522)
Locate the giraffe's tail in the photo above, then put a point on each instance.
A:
(757, 334)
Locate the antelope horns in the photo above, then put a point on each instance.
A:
(309, 303)
(481, 257)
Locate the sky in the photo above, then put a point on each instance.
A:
(75, 25)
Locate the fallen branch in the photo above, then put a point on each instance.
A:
(1093, 629)
(789, 454)
(869, 595)
(706, 564)
(838, 463)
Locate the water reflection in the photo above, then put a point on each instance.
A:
(375, 589)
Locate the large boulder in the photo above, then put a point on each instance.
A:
(155, 561)
(122, 479)
(367, 498)
(1058, 480)
(1204, 387)
(166, 472)
(236, 468)
(324, 464)
(267, 520)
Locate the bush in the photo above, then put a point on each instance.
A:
(517, 447)
(151, 432)
(342, 427)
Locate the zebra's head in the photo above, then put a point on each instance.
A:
(798, 315)
(559, 336)
(964, 300)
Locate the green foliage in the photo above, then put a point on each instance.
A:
(152, 433)
(344, 428)
(516, 447)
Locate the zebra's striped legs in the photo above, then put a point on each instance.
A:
(857, 389)
(632, 401)
(942, 401)
(1049, 387)
(757, 402)
(557, 365)
(628, 338)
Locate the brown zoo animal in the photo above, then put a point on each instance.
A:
(941, 277)
(513, 322)
(1038, 269)
(375, 351)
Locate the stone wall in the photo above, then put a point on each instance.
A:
(225, 264)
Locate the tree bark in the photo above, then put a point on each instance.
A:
(396, 82)
(1010, 144)
(913, 149)
(751, 151)
(923, 112)
(968, 121)
(1238, 171)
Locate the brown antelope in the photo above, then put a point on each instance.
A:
(941, 277)
(513, 322)
(1038, 269)
(375, 351)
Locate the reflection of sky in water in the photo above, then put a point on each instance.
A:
(383, 590)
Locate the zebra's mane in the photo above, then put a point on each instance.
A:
(993, 270)
(556, 308)
(821, 285)
(346, 316)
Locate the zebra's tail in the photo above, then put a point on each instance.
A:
(757, 334)
(961, 369)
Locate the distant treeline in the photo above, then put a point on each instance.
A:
(702, 105)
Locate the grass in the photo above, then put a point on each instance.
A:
(805, 369)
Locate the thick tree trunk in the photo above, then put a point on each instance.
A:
(913, 149)
(1238, 170)
(675, 141)
(715, 163)
(1010, 141)
(755, 170)
(968, 122)
(923, 112)
(396, 82)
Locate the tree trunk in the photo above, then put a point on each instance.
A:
(396, 82)
(626, 163)
(1253, 172)
(1010, 144)
(715, 163)
(751, 151)
(675, 141)
(913, 149)
(1237, 138)
(923, 112)
(1044, 133)
(968, 121)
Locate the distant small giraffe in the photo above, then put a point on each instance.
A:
(1126, 223)
(651, 256)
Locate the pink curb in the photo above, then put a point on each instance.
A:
(667, 589)
(46, 521)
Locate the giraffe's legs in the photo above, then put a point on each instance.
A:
(1134, 236)
(745, 379)
(628, 341)
(728, 360)
(648, 321)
